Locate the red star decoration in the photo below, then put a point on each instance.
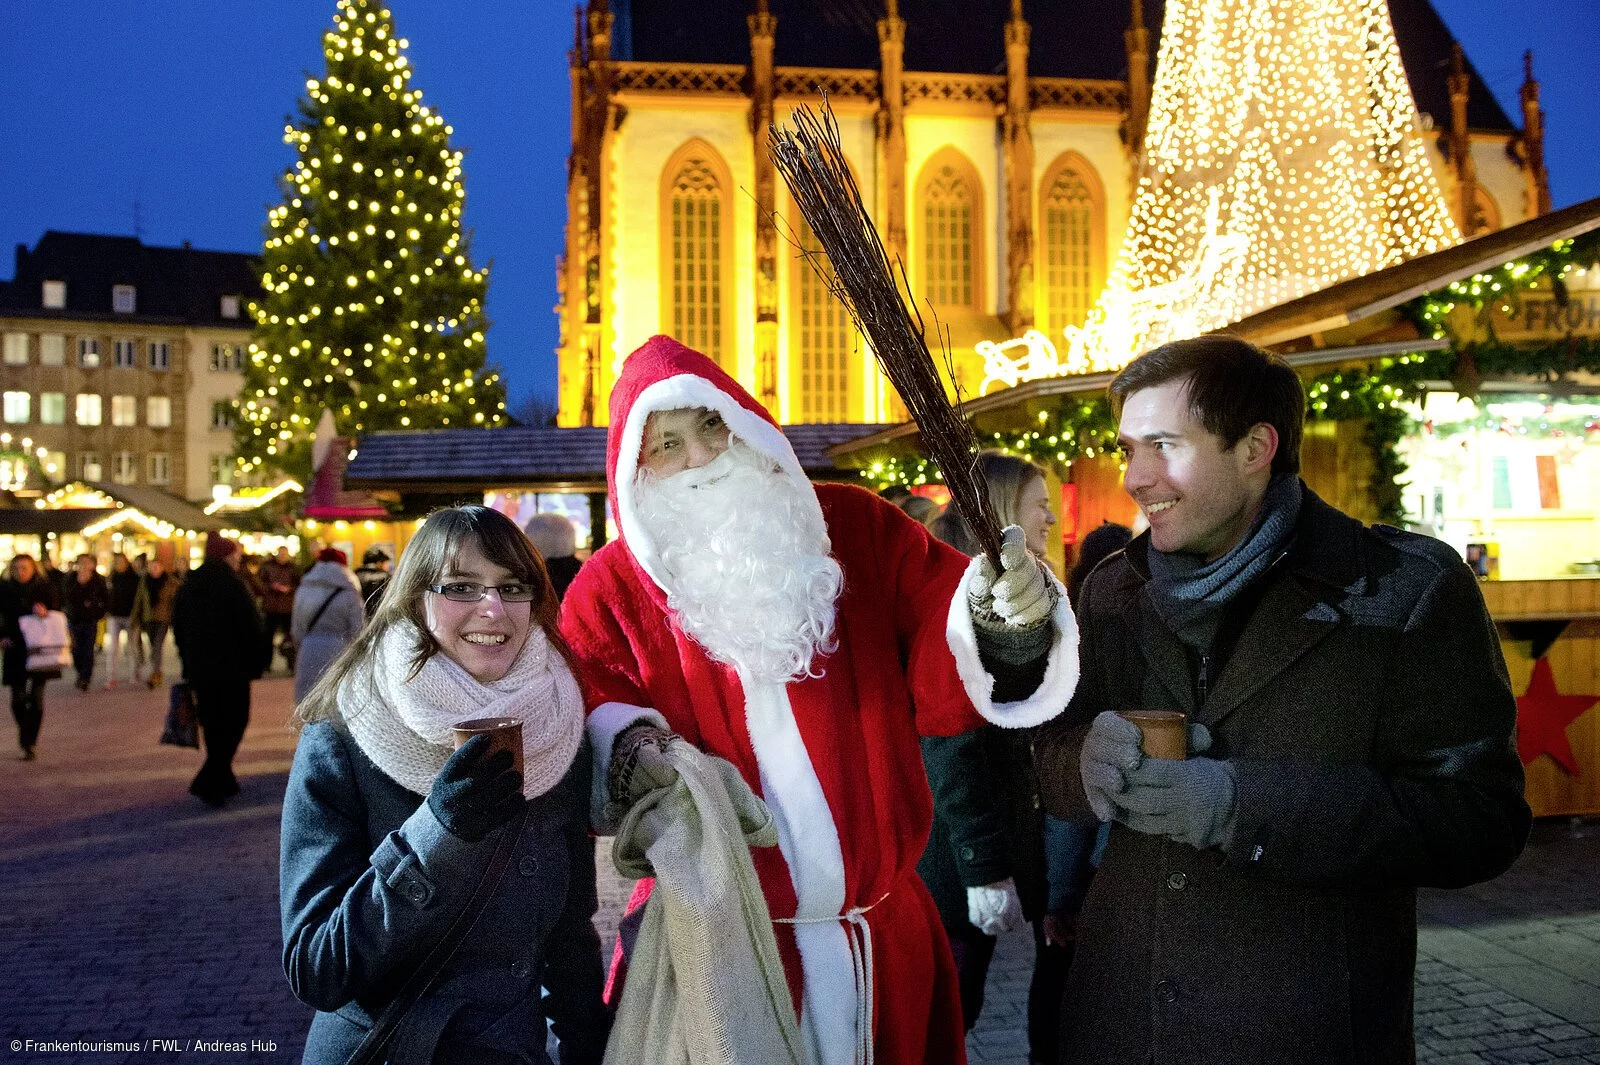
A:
(1543, 715)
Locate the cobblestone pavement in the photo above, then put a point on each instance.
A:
(131, 913)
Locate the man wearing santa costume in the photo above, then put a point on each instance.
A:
(809, 635)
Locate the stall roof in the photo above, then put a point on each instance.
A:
(160, 505)
(32, 521)
(528, 456)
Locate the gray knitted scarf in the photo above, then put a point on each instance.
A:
(1189, 592)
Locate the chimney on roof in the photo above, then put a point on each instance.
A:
(185, 245)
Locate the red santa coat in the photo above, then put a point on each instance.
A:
(835, 756)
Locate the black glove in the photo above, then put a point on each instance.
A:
(476, 791)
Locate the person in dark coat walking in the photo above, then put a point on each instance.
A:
(988, 835)
(218, 634)
(387, 831)
(279, 578)
(1351, 741)
(86, 602)
(25, 591)
(121, 634)
(373, 574)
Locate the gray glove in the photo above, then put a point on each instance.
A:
(1021, 597)
(1110, 749)
(1190, 801)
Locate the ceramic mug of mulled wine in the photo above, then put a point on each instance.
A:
(505, 733)
(1162, 733)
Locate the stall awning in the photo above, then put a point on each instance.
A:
(539, 458)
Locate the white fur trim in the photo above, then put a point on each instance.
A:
(1060, 674)
(809, 840)
(605, 723)
(687, 391)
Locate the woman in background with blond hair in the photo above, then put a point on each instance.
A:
(986, 852)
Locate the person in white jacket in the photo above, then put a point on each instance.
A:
(328, 612)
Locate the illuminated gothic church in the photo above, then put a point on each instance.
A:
(996, 141)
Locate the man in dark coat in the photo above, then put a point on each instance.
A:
(1352, 741)
(279, 580)
(86, 602)
(218, 634)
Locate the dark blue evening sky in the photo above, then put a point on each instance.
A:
(178, 106)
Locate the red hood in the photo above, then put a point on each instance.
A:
(665, 375)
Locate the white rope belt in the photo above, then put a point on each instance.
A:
(859, 936)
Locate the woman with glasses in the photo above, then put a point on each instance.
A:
(388, 831)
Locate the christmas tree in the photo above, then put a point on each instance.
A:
(373, 309)
(1283, 154)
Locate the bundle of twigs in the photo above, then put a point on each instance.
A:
(811, 159)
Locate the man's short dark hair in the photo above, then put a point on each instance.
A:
(1233, 385)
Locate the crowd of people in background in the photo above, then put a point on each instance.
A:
(116, 616)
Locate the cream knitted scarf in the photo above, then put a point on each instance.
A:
(404, 725)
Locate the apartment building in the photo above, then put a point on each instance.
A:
(121, 362)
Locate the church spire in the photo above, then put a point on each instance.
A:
(1537, 191)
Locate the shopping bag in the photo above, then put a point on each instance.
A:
(49, 645)
(182, 726)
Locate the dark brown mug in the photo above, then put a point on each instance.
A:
(505, 733)
(1162, 733)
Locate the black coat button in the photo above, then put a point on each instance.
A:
(528, 865)
(967, 853)
(416, 892)
(1177, 881)
(1166, 991)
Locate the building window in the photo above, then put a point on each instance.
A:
(952, 222)
(124, 410)
(1072, 216)
(229, 307)
(122, 354)
(158, 412)
(160, 353)
(17, 408)
(88, 411)
(52, 408)
(824, 353)
(122, 299)
(221, 469)
(55, 295)
(222, 414)
(160, 468)
(88, 352)
(227, 357)
(696, 226)
(89, 468)
(16, 349)
(125, 467)
(52, 350)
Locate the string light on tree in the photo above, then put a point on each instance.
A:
(1284, 153)
(372, 308)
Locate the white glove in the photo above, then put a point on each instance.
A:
(1021, 596)
(994, 909)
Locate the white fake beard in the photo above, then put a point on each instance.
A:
(746, 562)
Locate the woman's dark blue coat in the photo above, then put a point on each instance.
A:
(370, 880)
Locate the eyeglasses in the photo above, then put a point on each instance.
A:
(472, 591)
